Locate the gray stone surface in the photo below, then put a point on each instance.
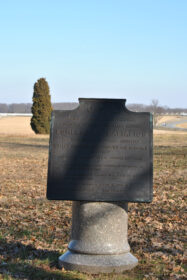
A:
(97, 263)
(99, 238)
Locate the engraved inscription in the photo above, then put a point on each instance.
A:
(100, 153)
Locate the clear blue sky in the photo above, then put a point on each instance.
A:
(133, 49)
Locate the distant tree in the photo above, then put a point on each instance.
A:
(41, 108)
(155, 109)
(3, 108)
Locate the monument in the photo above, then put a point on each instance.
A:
(100, 157)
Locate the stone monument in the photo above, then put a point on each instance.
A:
(100, 157)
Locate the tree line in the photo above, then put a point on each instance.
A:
(26, 108)
(42, 107)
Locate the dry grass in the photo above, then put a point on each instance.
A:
(169, 138)
(169, 132)
(21, 126)
(166, 119)
(34, 231)
(182, 125)
(16, 126)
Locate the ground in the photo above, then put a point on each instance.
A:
(168, 118)
(34, 231)
(16, 126)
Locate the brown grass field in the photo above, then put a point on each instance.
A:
(162, 119)
(182, 125)
(16, 126)
(34, 231)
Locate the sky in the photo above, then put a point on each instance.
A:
(133, 49)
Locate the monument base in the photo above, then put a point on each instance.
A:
(97, 263)
(99, 241)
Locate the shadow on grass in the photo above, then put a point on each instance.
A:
(163, 150)
(24, 271)
(26, 262)
(23, 145)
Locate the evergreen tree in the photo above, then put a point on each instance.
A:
(41, 108)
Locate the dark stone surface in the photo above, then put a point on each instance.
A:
(100, 152)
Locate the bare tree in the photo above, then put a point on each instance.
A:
(155, 109)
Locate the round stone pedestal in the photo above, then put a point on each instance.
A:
(99, 238)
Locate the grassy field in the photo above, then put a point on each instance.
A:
(182, 125)
(34, 231)
(168, 119)
(16, 126)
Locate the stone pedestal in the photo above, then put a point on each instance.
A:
(99, 241)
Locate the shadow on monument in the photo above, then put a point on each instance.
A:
(99, 240)
(74, 183)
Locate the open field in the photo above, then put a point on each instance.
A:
(16, 126)
(182, 125)
(34, 231)
(166, 119)
(169, 138)
(20, 125)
